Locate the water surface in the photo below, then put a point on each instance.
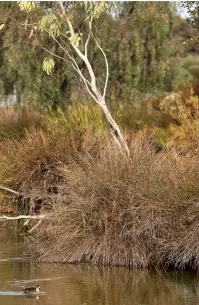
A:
(86, 285)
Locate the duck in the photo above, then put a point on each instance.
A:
(32, 290)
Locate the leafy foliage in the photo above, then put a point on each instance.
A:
(75, 40)
(48, 65)
(137, 48)
(95, 10)
(185, 109)
(193, 10)
(26, 6)
(51, 24)
(21, 62)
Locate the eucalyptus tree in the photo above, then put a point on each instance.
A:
(60, 24)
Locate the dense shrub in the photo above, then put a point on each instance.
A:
(14, 122)
(187, 71)
(184, 108)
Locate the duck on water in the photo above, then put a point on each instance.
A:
(32, 290)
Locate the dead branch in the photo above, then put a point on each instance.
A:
(42, 216)
(9, 190)
(37, 224)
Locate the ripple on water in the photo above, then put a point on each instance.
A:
(17, 293)
(13, 259)
(22, 282)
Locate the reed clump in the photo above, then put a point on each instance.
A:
(132, 212)
(103, 207)
(15, 121)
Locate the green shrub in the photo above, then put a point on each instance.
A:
(187, 71)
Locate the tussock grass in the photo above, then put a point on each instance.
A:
(30, 164)
(103, 207)
(13, 122)
(106, 208)
(122, 211)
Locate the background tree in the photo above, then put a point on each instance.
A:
(136, 41)
(20, 62)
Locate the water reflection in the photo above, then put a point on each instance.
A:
(87, 285)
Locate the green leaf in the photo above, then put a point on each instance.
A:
(75, 40)
(43, 23)
(95, 10)
(48, 65)
(26, 6)
(51, 24)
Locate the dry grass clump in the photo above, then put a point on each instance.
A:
(30, 164)
(103, 207)
(14, 122)
(122, 211)
(182, 249)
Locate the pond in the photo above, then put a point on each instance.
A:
(86, 285)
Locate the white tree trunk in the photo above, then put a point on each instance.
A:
(114, 128)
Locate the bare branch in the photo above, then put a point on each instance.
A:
(74, 65)
(106, 63)
(70, 26)
(86, 43)
(36, 226)
(65, 51)
(64, 42)
(26, 222)
(77, 69)
(83, 57)
(60, 57)
(62, 7)
(67, 19)
(86, 83)
(9, 190)
(89, 67)
(42, 216)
